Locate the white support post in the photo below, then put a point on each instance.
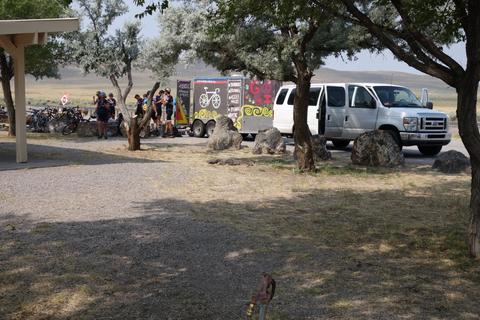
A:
(20, 108)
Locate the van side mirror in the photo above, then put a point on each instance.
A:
(429, 105)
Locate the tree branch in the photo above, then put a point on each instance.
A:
(129, 87)
(376, 30)
(148, 114)
(426, 43)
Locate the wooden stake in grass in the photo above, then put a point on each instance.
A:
(263, 297)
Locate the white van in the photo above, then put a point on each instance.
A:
(343, 111)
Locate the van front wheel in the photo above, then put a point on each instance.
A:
(341, 144)
(430, 150)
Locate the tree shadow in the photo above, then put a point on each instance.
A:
(42, 156)
(334, 254)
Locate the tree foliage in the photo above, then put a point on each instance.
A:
(41, 61)
(97, 51)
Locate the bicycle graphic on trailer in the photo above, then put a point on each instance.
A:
(214, 98)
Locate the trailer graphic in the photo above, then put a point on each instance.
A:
(248, 102)
(210, 96)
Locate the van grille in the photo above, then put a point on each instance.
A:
(433, 124)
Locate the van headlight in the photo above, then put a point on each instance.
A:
(410, 123)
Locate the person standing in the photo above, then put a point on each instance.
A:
(139, 109)
(158, 110)
(168, 105)
(103, 114)
(113, 104)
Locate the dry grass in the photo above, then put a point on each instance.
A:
(355, 243)
(396, 236)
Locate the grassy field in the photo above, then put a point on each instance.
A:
(345, 242)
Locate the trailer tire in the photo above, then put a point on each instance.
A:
(198, 129)
(210, 127)
(429, 150)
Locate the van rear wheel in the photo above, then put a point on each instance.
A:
(198, 129)
(430, 150)
(341, 144)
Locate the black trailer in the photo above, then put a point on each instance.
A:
(248, 102)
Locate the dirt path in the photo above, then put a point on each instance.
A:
(100, 233)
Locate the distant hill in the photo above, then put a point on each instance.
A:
(81, 88)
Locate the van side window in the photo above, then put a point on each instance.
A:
(313, 96)
(359, 97)
(336, 96)
(291, 97)
(281, 96)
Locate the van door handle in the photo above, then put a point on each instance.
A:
(318, 115)
(328, 117)
(346, 118)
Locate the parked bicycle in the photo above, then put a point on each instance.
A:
(72, 116)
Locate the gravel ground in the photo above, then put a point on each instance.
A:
(88, 231)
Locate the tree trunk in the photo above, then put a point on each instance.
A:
(133, 133)
(7, 92)
(468, 130)
(302, 136)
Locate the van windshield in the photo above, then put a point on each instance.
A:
(399, 97)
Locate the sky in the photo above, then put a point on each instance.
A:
(364, 61)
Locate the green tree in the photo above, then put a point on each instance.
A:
(275, 39)
(417, 32)
(96, 51)
(41, 61)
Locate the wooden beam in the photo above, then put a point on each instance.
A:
(42, 38)
(39, 25)
(25, 39)
(7, 44)
(20, 108)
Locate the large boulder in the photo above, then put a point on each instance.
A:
(451, 162)
(269, 141)
(320, 152)
(225, 135)
(377, 149)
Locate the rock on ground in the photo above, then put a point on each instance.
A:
(225, 135)
(87, 129)
(55, 126)
(320, 152)
(269, 141)
(377, 149)
(451, 162)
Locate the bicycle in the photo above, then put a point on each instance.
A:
(74, 117)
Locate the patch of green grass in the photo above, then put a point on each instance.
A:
(351, 170)
(42, 228)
